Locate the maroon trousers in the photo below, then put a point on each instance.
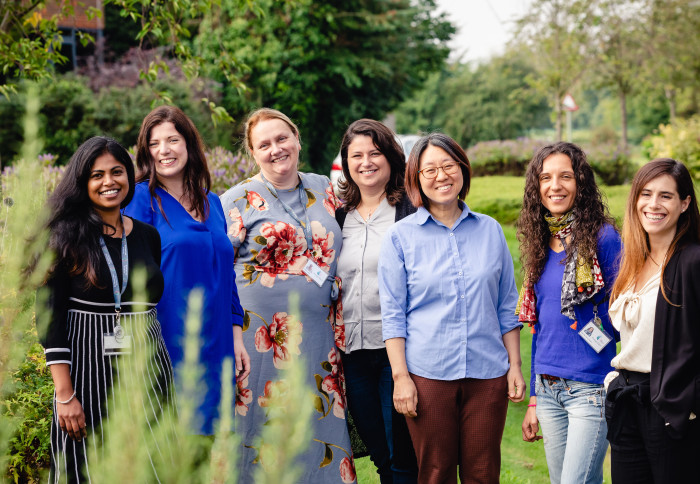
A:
(459, 423)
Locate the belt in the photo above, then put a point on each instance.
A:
(550, 378)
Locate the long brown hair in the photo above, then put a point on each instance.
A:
(589, 211)
(385, 141)
(635, 240)
(196, 179)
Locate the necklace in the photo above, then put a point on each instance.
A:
(369, 210)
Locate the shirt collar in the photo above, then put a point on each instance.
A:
(422, 215)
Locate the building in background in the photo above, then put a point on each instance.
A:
(79, 21)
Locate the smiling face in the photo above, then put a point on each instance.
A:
(444, 189)
(557, 184)
(368, 167)
(108, 184)
(168, 150)
(659, 206)
(276, 151)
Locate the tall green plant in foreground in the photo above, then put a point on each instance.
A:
(176, 455)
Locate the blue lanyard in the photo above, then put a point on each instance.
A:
(304, 199)
(113, 271)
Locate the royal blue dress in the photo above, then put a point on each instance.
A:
(194, 255)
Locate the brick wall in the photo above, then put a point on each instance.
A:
(79, 19)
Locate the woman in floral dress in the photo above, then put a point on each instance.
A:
(273, 218)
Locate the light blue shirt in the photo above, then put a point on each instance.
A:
(450, 293)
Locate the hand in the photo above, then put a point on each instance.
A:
(241, 354)
(405, 396)
(531, 426)
(516, 384)
(71, 419)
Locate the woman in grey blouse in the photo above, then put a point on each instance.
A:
(373, 191)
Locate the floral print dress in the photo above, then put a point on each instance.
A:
(272, 251)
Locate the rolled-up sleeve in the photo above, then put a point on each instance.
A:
(507, 291)
(393, 290)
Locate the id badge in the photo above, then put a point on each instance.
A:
(316, 274)
(595, 335)
(116, 343)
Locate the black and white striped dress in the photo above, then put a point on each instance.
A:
(79, 314)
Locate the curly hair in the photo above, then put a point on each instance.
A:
(635, 240)
(385, 141)
(74, 225)
(196, 178)
(590, 212)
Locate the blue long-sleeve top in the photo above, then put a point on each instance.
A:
(557, 349)
(194, 255)
(450, 293)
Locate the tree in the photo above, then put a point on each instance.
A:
(486, 102)
(325, 64)
(557, 33)
(617, 50)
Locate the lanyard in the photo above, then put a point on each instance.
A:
(113, 271)
(304, 199)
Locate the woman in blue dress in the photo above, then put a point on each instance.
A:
(173, 195)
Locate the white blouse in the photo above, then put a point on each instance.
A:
(632, 314)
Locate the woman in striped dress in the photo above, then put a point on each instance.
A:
(93, 321)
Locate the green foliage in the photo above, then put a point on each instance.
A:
(325, 64)
(509, 157)
(612, 165)
(486, 102)
(30, 406)
(681, 141)
(71, 113)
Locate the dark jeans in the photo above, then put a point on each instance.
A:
(642, 451)
(370, 391)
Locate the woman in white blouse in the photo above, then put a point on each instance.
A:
(373, 192)
(654, 396)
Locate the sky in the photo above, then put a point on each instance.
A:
(484, 26)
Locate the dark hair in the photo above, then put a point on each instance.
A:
(385, 141)
(635, 240)
(589, 211)
(196, 179)
(75, 227)
(439, 140)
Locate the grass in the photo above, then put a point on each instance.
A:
(521, 462)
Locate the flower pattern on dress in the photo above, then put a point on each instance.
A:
(283, 251)
(347, 470)
(331, 387)
(323, 253)
(283, 336)
(331, 202)
(256, 201)
(244, 396)
(236, 228)
(273, 389)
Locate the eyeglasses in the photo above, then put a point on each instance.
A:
(447, 168)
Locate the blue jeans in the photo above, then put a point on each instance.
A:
(572, 418)
(370, 391)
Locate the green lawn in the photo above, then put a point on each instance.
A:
(522, 462)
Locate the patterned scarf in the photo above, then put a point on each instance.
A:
(582, 280)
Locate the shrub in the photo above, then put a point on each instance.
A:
(612, 166)
(509, 157)
(681, 141)
(227, 169)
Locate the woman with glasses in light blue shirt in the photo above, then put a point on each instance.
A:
(448, 295)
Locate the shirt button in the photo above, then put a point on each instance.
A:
(464, 342)
(451, 234)
(460, 273)
(462, 296)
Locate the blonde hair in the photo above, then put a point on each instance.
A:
(264, 114)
